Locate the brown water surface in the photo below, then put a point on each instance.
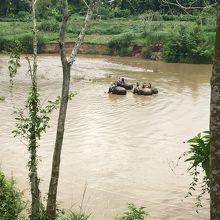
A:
(121, 146)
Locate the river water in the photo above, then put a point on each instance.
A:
(123, 148)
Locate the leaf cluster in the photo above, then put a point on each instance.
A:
(134, 213)
(11, 203)
(199, 152)
(199, 158)
(25, 120)
(14, 61)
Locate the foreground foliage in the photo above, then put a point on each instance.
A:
(11, 203)
(199, 158)
(134, 213)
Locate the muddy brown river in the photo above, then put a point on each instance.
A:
(122, 147)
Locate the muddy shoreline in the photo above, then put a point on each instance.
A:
(101, 49)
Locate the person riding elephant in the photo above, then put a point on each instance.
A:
(145, 89)
(121, 82)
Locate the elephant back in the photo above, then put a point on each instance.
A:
(146, 91)
(125, 85)
(118, 90)
(128, 86)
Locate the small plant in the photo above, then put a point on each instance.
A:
(119, 44)
(125, 51)
(199, 158)
(134, 213)
(199, 152)
(14, 61)
(121, 40)
(77, 216)
(147, 53)
(11, 203)
(49, 25)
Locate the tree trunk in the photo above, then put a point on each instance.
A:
(33, 110)
(66, 64)
(52, 194)
(215, 127)
(35, 192)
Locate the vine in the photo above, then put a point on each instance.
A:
(14, 61)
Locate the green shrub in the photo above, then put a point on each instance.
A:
(147, 53)
(49, 25)
(121, 41)
(7, 44)
(119, 44)
(11, 203)
(156, 37)
(122, 13)
(23, 16)
(63, 214)
(77, 216)
(168, 17)
(125, 51)
(102, 12)
(151, 16)
(106, 30)
(187, 46)
(26, 41)
(199, 152)
(199, 157)
(134, 213)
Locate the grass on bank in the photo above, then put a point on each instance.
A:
(102, 31)
(115, 31)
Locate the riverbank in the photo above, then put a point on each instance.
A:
(183, 40)
(102, 49)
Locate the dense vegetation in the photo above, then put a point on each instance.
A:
(11, 203)
(119, 24)
(118, 8)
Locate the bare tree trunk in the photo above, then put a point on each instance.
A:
(33, 110)
(215, 127)
(66, 64)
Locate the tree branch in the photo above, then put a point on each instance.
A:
(91, 8)
(185, 8)
(63, 31)
(34, 26)
(86, 3)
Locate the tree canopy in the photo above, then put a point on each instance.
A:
(9, 7)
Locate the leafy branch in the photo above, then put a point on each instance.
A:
(199, 158)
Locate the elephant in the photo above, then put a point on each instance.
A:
(145, 91)
(127, 86)
(118, 90)
(142, 91)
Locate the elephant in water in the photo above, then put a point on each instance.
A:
(118, 90)
(145, 90)
(142, 91)
(121, 82)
